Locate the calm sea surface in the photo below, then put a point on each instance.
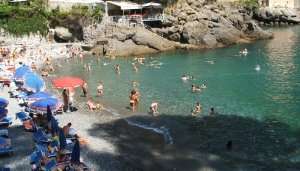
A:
(265, 84)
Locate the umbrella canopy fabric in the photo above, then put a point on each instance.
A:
(67, 82)
(33, 82)
(41, 105)
(75, 156)
(39, 95)
(62, 139)
(3, 103)
(20, 72)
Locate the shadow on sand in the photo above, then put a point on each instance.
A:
(23, 146)
(222, 142)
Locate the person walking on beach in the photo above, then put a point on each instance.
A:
(100, 88)
(197, 109)
(84, 89)
(65, 97)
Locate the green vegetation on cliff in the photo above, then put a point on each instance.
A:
(34, 17)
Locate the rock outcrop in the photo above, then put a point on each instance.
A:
(210, 25)
(279, 15)
(191, 24)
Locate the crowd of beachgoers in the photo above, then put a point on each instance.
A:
(54, 144)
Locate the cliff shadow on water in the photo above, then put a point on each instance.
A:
(221, 142)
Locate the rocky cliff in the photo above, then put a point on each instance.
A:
(191, 24)
(210, 25)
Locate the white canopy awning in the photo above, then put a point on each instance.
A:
(152, 5)
(125, 5)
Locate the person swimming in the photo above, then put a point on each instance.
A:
(135, 68)
(203, 86)
(154, 108)
(195, 88)
(257, 68)
(184, 78)
(100, 88)
(244, 52)
(197, 109)
(117, 68)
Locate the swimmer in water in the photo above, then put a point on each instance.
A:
(100, 89)
(257, 68)
(203, 86)
(135, 84)
(135, 68)
(197, 109)
(195, 88)
(154, 108)
(244, 52)
(117, 68)
(89, 68)
(184, 78)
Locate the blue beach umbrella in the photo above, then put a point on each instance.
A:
(75, 156)
(41, 105)
(3, 102)
(39, 95)
(20, 72)
(33, 82)
(62, 139)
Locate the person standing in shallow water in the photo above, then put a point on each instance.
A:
(100, 88)
(65, 96)
(197, 109)
(133, 99)
(84, 89)
(117, 69)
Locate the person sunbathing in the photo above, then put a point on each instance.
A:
(93, 106)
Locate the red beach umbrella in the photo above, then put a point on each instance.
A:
(67, 82)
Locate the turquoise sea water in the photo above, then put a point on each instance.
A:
(265, 84)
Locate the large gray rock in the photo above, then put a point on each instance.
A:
(152, 40)
(209, 40)
(227, 36)
(193, 32)
(63, 33)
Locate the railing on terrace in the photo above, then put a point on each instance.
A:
(135, 18)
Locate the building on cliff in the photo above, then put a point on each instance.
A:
(294, 4)
(126, 12)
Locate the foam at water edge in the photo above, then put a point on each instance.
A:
(162, 130)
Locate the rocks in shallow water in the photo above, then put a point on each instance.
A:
(271, 15)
